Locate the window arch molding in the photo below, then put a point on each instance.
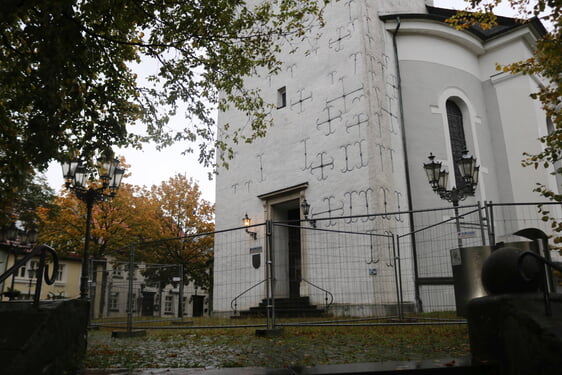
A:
(470, 122)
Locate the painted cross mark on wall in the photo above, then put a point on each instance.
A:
(362, 161)
(392, 84)
(333, 207)
(352, 23)
(391, 154)
(331, 118)
(381, 148)
(390, 110)
(374, 259)
(306, 164)
(291, 69)
(348, 4)
(248, 183)
(313, 46)
(360, 119)
(323, 164)
(385, 193)
(383, 62)
(337, 43)
(332, 75)
(367, 31)
(379, 118)
(398, 217)
(347, 167)
(366, 194)
(382, 152)
(379, 112)
(349, 198)
(301, 100)
(355, 57)
(391, 259)
(260, 159)
(372, 68)
(357, 149)
(346, 94)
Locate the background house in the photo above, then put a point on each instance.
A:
(67, 279)
(149, 295)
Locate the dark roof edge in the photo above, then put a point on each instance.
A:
(505, 24)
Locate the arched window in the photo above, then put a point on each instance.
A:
(458, 141)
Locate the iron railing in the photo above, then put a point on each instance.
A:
(327, 295)
(545, 282)
(234, 302)
(42, 270)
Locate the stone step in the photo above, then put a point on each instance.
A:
(286, 307)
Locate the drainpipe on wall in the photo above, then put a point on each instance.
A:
(406, 168)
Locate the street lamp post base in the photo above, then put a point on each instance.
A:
(128, 334)
(269, 332)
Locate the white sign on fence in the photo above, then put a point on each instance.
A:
(467, 234)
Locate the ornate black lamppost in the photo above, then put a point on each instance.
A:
(76, 175)
(438, 179)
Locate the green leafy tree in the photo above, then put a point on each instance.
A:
(34, 194)
(68, 85)
(547, 63)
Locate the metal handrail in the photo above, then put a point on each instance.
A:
(546, 294)
(42, 270)
(326, 293)
(235, 299)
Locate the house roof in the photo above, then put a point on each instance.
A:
(504, 24)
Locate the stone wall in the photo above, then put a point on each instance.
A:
(49, 339)
(514, 331)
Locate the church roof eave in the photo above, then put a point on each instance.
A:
(505, 24)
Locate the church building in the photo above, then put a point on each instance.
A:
(359, 107)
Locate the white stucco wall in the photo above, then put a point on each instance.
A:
(501, 121)
(340, 133)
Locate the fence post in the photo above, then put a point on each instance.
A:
(481, 222)
(491, 227)
(130, 291)
(271, 278)
(457, 223)
(398, 276)
(180, 298)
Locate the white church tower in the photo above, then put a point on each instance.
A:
(351, 131)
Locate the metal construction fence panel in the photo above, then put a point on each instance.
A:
(239, 277)
(149, 295)
(155, 291)
(391, 265)
(435, 233)
(507, 218)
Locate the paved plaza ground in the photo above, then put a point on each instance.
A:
(298, 347)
